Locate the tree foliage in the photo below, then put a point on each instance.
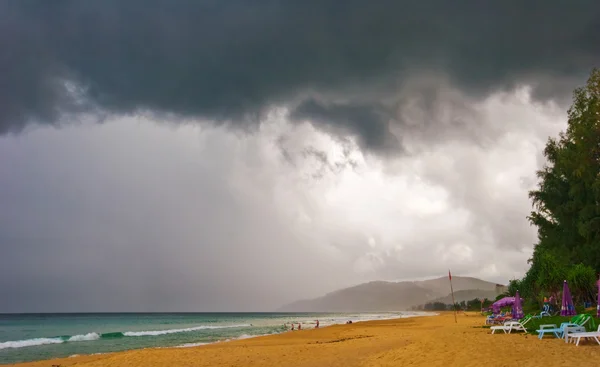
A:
(566, 204)
(514, 286)
(567, 200)
(582, 279)
(473, 305)
(546, 274)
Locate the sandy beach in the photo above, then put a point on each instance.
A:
(419, 341)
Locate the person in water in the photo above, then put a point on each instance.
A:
(317, 326)
(299, 326)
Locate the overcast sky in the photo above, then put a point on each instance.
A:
(236, 156)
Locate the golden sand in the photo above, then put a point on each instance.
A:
(420, 341)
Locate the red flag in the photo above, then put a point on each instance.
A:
(449, 275)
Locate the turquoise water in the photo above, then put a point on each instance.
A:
(29, 337)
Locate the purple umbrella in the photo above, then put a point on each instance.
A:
(598, 307)
(504, 302)
(567, 308)
(517, 309)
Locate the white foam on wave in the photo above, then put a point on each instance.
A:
(190, 345)
(95, 336)
(362, 317)
(30, 342)
(84, 337)
(241, 337)
(43, 341)
(173, 331)
(246, 336)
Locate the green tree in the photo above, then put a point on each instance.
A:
(514, 285)
(475, 304)
(567, 200)
(545, 276)
(582, 283)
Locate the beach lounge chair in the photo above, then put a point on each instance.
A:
(504, 327)
(584, 319)
(490, 319)
(499, 320)
(496, 319)
(545, 312)
(576, 323)
(512, 325)
(576, 337)
(553, 329)
(520, 325)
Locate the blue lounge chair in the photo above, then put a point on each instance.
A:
(552, 329)
(577, 322)
(545, 312)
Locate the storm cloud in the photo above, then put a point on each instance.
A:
(230, 61)
(253, 153)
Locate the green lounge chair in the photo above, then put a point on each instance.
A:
(578, 322)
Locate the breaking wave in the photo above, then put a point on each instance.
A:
(173, 331)
(30, 342)
(85, 337)
(95, 336)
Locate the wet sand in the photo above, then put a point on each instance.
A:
(419, 341)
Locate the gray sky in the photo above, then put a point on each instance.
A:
(223, 155)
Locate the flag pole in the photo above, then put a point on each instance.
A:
(452, 292)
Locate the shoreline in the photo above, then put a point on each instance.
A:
(246, 336)
(276, 329)
(418, 341)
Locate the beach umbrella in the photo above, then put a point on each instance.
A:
(517, 309)
(504, 302)
(567, 307)
(598, 307)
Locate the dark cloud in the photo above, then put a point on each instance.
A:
(371, 125)
(229, 61)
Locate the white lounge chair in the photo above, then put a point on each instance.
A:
(505, 327)
(569, 330)
(577, 336)
(512, 326)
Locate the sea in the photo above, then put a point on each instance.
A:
(31, 337)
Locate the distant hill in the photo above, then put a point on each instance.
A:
(395, 296)
(466, 295)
